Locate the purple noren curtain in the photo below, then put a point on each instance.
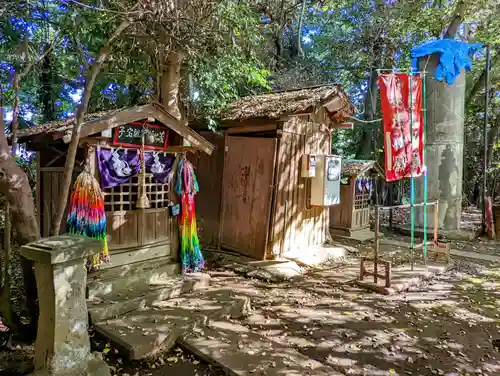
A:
(160, 165)
(119, 165)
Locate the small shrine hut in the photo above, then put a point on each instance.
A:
(351, 217)
(266, 206)
(133, 153)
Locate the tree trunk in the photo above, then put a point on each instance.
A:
(457, 20)
(79, 118)
(492, 139)
(14, 184)
(367, 144)
(170, 82)
(278, 43)
(15, 112)
(48, 90)
(300, 51)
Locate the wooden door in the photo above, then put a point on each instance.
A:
(247, 192)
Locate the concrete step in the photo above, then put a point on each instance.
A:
(241, 352)
(114, 305)
(112, 272)
(155, 328)
(109, 283)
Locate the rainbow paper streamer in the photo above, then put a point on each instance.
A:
(86, 214)
(187, 187)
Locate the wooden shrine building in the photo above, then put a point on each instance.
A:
(352, 216)
(261, 207)
(134, 234)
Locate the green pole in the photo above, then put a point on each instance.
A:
(412, 182)
(424, 114)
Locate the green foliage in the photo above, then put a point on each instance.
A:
(235, 48)
(229, 67)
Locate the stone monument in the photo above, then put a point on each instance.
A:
(62, 345)
(444, 147)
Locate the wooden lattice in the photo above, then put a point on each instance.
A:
(361, 201)
(124, 196)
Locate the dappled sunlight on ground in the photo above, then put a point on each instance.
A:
(443, 327)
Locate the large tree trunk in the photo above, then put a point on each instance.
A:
(14, 184)
(170, 83)
(457, 20)
(367, 144)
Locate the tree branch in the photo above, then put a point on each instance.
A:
(16, 83)
(479, 83)
(457, 20)
(300, 51)
(79, 118)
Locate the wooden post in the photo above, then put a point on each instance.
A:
(391, 202)
(362, 268)
(436, 222)
(222, 194)
(377, 243)
(388, 274)
(7, 249)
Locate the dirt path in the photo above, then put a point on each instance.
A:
(443, 328)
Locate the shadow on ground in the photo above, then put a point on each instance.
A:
(443, 327)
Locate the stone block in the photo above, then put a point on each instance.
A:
(63, 346)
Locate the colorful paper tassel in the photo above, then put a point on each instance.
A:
(187, 187)
(86, 214)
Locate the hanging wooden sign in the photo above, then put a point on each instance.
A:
(130, 135)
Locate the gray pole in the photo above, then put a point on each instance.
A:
(485, 131)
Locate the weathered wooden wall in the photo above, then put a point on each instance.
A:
(50, 171)
(209, 170)
(341, 214)
(50, 186)
(295, 225)
(131, 228)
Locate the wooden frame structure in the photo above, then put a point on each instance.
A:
(353, 212)
(134, 234)
(439, 249)
(260, 209)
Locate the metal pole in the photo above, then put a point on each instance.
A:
(412, 179)
(485, 131)
(424, 114)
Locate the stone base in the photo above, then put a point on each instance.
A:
(354, 237)
(94, 367)
(457, 235)
(403, 278)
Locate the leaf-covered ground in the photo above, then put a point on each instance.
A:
(443, 327)
(446, 326)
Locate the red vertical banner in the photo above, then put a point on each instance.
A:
(403, 150)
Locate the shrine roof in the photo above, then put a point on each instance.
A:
(96, 123)
(354, 167)
(276, 104)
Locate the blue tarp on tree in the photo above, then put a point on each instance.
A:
(453, 57)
